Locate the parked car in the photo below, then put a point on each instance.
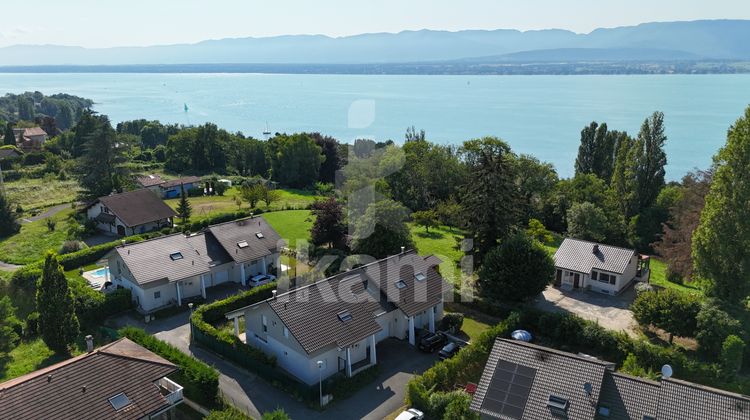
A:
(431, 342)
(449, 350)
(261, 279)
(410, 414)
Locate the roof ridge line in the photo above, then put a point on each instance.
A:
(599, 243)
(707, 388)
(591, 359)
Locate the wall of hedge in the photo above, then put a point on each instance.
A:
(200, 381)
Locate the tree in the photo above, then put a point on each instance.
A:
(328, 228)
(9, 139)
(58, 323)
(184, 209)
(596, 154)
(100, 169)
(721, 243)
(713, 327)
(587, 222)
(675, 244)
(537, 231)
(8, 223)
(8, 336)
(425, 218)
(382, 230)
(270, 195)
(672, 311)
(649, 160)
(332, 163)
(252, 193)
(536, 182)
(490, 198)
(518, 269)
(449, 213)
(731, 355)
(295, 159)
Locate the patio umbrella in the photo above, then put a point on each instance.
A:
(521, 335)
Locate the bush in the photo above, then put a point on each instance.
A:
(669, 310)
(32, 325)
(452, 321)
(69, 247)
(731, 355)
(200, 381)
(713, 327)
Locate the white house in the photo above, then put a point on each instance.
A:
(598, 267)
(334, 325)
(168, 270)
(130, 213)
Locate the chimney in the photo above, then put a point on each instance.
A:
(403, 249)
(49, 378)
(596, 249)
(273, 294)
(89, 343)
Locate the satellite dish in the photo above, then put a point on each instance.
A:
(588, 388)
(666, 371)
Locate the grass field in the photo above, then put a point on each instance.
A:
(659, 278)
(34, 239)
(291, 224)
(204, 207)
(438, 241)
(40, 193)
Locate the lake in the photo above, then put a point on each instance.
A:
(538, 115)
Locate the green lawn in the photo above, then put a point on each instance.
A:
(34, 239)
(291, 224)
(438, 241)
(473, 328)
(40, 193)
(204, 207)
(659, 278)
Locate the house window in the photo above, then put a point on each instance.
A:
(265, 323)
(157, 295)
(175, 256)
(603, 277)
(119, 401)
(603, 411)
(400, 284)
(594, 275)
(243, 244)
(259, 235)
(345, 316)
(420, 277)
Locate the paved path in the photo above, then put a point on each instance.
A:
(9, 267)
(610, 312)
(47, 213)
(253, 395)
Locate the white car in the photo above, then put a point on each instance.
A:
(411, 414)
(261, 279)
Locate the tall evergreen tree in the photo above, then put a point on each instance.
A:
(58, 323)
(721, 243)
(620, 183)
(646, 162)
(490, 199)
(596, 154)
(184, 209)
(9, 139)
(8, 223)
(99, 166)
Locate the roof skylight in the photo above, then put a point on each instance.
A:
(259, 235)
(400, 284)
(176, 256)
(345, 316)
(420, 277)
(243, 244)
(557, 403)
(119, 401)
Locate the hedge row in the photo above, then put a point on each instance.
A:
(199, 380)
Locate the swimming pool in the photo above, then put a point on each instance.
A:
(100, 272)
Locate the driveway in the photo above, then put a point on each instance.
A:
(610, 312)
(398, 362)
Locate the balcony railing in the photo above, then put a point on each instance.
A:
(170, 389)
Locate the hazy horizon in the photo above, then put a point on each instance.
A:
(136, 23)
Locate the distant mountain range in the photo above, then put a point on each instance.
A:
(722, 40)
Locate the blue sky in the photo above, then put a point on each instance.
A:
(105, 23)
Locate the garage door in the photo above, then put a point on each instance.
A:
(221, 277)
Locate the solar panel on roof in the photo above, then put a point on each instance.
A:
(509, 389)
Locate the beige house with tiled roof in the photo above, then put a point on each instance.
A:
(130, 213)
(338, 321)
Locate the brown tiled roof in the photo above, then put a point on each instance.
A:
(80, 388)
(684, 400)
(627, 397)
(137, 207)
(179, 181)
(230, 234)
(149, 180)
(209, 247)
(34, 131)
(559, 373)
(150, 261)
(578, 255)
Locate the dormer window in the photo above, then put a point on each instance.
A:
(345, 316)
(420, 277)
(400, 284)
(242, 244)
(259, 235)
(176, 256)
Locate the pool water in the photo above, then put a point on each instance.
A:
(101, 272)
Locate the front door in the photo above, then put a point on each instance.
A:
(576, 280)
(121, 230)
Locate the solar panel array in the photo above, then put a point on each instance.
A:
(509, 389)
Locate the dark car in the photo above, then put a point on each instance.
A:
(449, 350)
(431, 342)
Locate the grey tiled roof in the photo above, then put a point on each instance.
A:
(578, 255)
(149, 180)
(208, 247)
(559, 373)
(57, 392)
(687, 401)
(231, 233)
(137, 207)
(150, 260)
(628, 397)
(180, 181)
